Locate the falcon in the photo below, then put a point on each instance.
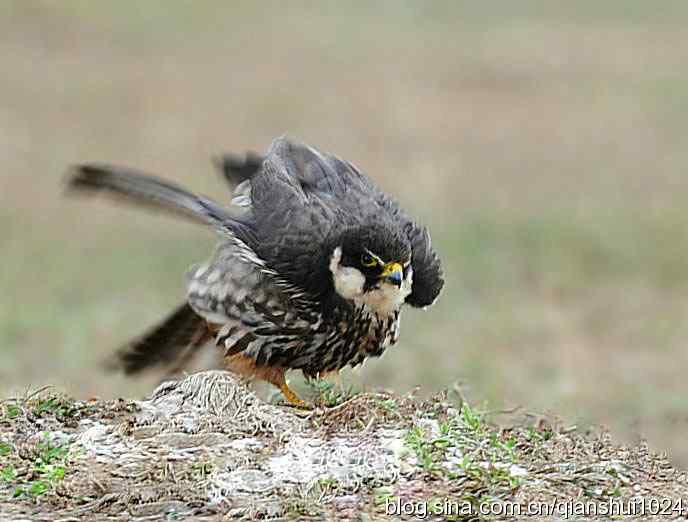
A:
(312, 270)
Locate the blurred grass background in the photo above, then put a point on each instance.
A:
(545, 144)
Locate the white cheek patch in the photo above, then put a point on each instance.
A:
(348, 281)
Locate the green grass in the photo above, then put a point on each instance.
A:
(4, 449)
(11, 411)
(33, 467)
(329, 394)
(42, 470)
(453, 453)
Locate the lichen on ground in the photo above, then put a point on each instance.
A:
(207, 448)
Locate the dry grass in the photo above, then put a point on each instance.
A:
(546, 147)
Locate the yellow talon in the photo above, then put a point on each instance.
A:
(292, 398)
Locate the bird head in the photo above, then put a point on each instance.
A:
(371, 266)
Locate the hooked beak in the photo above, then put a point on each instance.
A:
(393, 273)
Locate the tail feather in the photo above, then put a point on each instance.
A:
(137, 187)
(173, 340)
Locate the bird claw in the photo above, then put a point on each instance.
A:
(294, 399)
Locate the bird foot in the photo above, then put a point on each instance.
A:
(293, 399)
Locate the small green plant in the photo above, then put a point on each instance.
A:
(389, 406)
(535, 435)
(427, 453)
(327, 486)
(40, 405)
(201, 470)
(502, 450)
(47, 405)
(61, 407)
(328, 482)
(49, 454)
(330, 394)
(11, 411)
(46, 467)
(471, 417)
(465, 445)
(8, 473)
(382, 494)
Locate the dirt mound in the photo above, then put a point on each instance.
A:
(206, 447)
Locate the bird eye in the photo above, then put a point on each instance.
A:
(368, 260)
